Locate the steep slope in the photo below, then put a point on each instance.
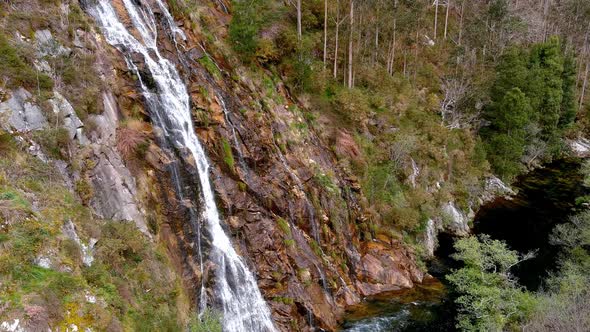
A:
(87, 146)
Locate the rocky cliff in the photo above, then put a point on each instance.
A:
(295, 211)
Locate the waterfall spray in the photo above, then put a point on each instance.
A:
(236, 292)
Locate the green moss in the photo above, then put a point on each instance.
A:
(284, 226)
(325, 181)
(210, 66)
(228, 156)
(14, 199)
(283, 299)
(316, 248)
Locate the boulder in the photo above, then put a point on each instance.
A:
(580, 147)
(384, 268)
(22, 114)
(72, 123)
(494, 187)
(48, 46)
(456, 222)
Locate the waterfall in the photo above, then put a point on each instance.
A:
(236, 292)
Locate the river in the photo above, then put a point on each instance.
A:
(546, 196)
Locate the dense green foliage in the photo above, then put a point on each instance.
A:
(249, 17)
(488, 298)
(532, 102)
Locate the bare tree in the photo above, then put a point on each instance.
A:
(447, 18)
(585, 81)
(299, 19)
(391, 53)
(435, 4)
(325, 31)
(337, 21)
(454, 90)
(461, 22)
(350, 44)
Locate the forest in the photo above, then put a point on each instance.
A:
(294, 165)
(508, 79)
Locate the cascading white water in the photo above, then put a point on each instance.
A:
(236, 291)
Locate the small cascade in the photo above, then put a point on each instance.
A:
(86, 250)
(235, 290)
(323, 279)
(234, 134)
(174, 29)
(310, 319)
(415, 173)
(308, 206)
(430, 237)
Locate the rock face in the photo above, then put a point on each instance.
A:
(116, 190)
(48, 46)
(580, 147)
(384, 268)
(284, 198)
(293, 213)
(71, 121)
(455, 221)
(494, 187)
(23, 115)
(69, 230)
(430, 237)
(115, 186)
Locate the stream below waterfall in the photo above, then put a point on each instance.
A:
(546, 196)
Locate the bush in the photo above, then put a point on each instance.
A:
(131, 142)
(228, 155)
(352, 104)
(208, 321)
(210, 66)
(121, 244)
(55, 142)
(489, 299)
(17, 71)
(245, 26)
(84, 190)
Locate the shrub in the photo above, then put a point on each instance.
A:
(208, 321)
(55, 141)
(130, 142)
(7, 143)
(84, 190)
(17, 71)
(489, 299)
(228, 156)
(121, 244)
(244, 28)
(352, 104)
(210, 66)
